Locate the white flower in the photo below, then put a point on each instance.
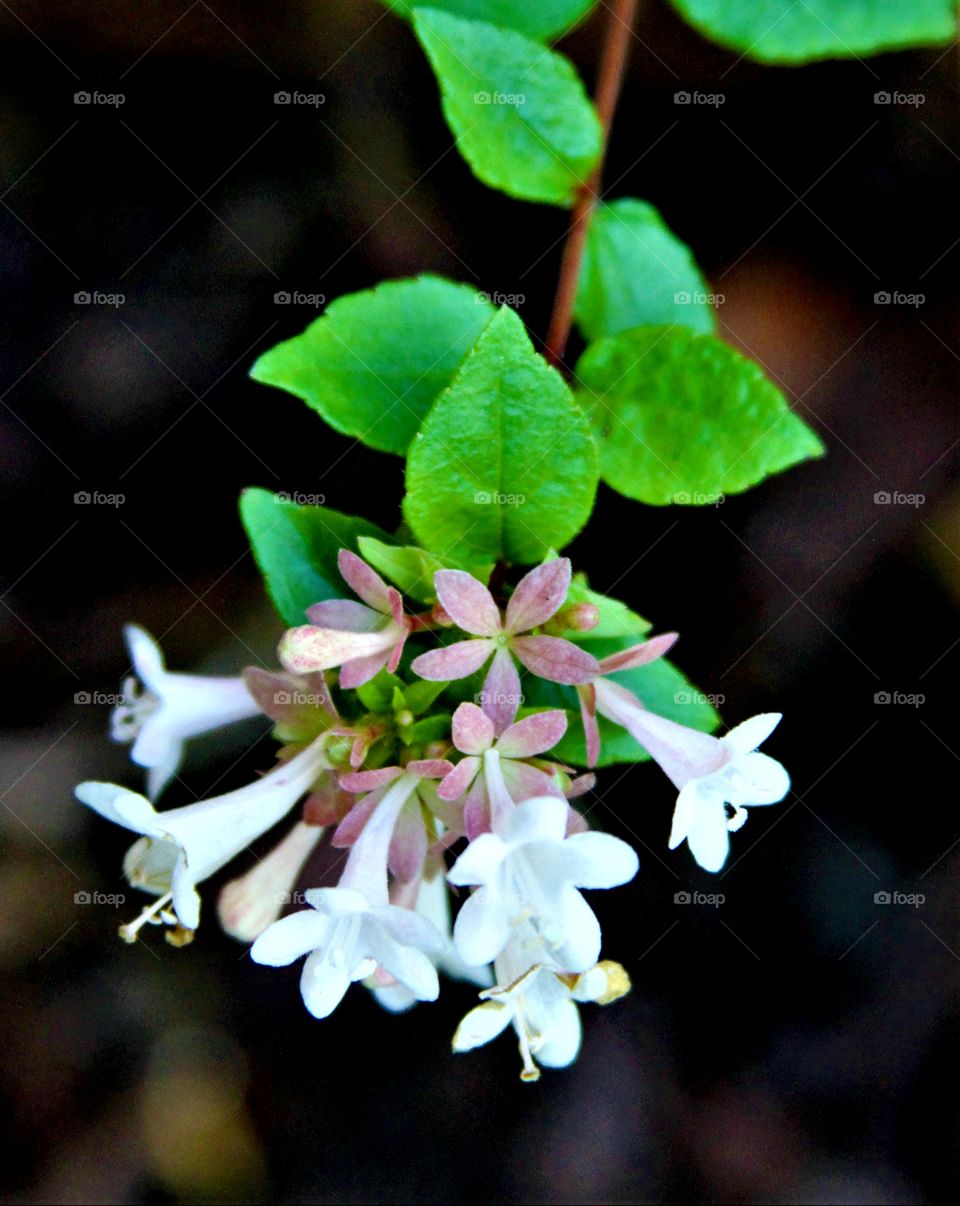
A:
(710, 772)
(351, 931)
(249, 904)
(183, 846)
(528, 871)
(172, 709)
(541, 1006)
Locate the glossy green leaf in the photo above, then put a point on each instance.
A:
(519, 112)
(374, 362)
(505, 466)
(798, 31)
(542, 19)
(296, 549)
(411, 568)
(636, 273)
(684, 418)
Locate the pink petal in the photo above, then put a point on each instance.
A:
(309, 648)
(539, 595)
(408, 847)
(364, 581)
(501, 695)
(476, 810)
(581, 785)
(396, 603)
(360, 670)
(467, 602)
(452, 661)
(345, 614)
(459, 779)
(353, 824)
(533, 735)
(555, 659)
(430, 768)
(397, 652)
(370, 780)
(639, 655)
(588, 714)
(472, 729)
(525, 782)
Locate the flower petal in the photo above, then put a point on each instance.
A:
(581, 932)
(482, 928)
(539, 595)
(588, 717)
(543, 819)
(709, 839)
(481, 1025)
(639, 655)
(344, 614)
(120, 805)
(555, 659)
(408, 846)
(360, 670)
(472, 729)
(467, 602)
(406, 964)
(759, 779)
(459, 779)
(501, 695)
(309, 648)
(599, 860)
(561, 1042)
(533, 735)
(146, 657)
(290, 938)
(322, 985)
(745, 737)
(479, 863)
(452, 661)
(364, 581)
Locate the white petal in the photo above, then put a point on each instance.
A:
(160, 773)
(480, 862)
(410, 928)
(599, 860)
(323, 986)
(758, 779)
(395, 998)
(336, 901)
(581, 933)
(709, 839)
(118, 804)
(562, 1041)
(290, 938)
(186, 899)
(683, 814)
(146, 657)
(482, 928)
(542, 819)
(406, 964)
(747, 736)
(481, 1025)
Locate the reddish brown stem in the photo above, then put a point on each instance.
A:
(616, 47)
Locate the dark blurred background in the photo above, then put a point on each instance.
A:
(795, 1044)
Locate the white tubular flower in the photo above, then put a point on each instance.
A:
(172, 709)
(541, 1005)
(254, 901)
(183, 846)
(352, 930)
(710, 772)
(528, 871)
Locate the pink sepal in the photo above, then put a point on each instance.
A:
(555, 659)
(468, 602)
(452, 661)
(539, 595)
(533, 735)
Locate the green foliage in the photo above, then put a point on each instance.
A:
(684, 418)
(375, 361)
(411, 569)
(505, 466)
(616, 619)
(798, 31)
(519, 112)
(296, 549)
(636, 272)
(542, 19)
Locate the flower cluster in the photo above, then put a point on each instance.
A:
(421, 766)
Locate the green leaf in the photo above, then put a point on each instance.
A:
(505, 467)
(296, 549)
(377, 693)
(412, 569)
(519, 112)
(663, 688)
(788, 31)
(684, 418)
(375, 361)
(616, 619)
(542, 19)
(636, 273)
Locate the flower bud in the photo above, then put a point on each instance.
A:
(575, 617)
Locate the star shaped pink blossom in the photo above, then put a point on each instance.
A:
(360, 638)
(538, 596)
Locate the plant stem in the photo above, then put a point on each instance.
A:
(616, 47)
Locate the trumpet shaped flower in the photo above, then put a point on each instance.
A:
(171, 709)
(538, 596)
(249, 904)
